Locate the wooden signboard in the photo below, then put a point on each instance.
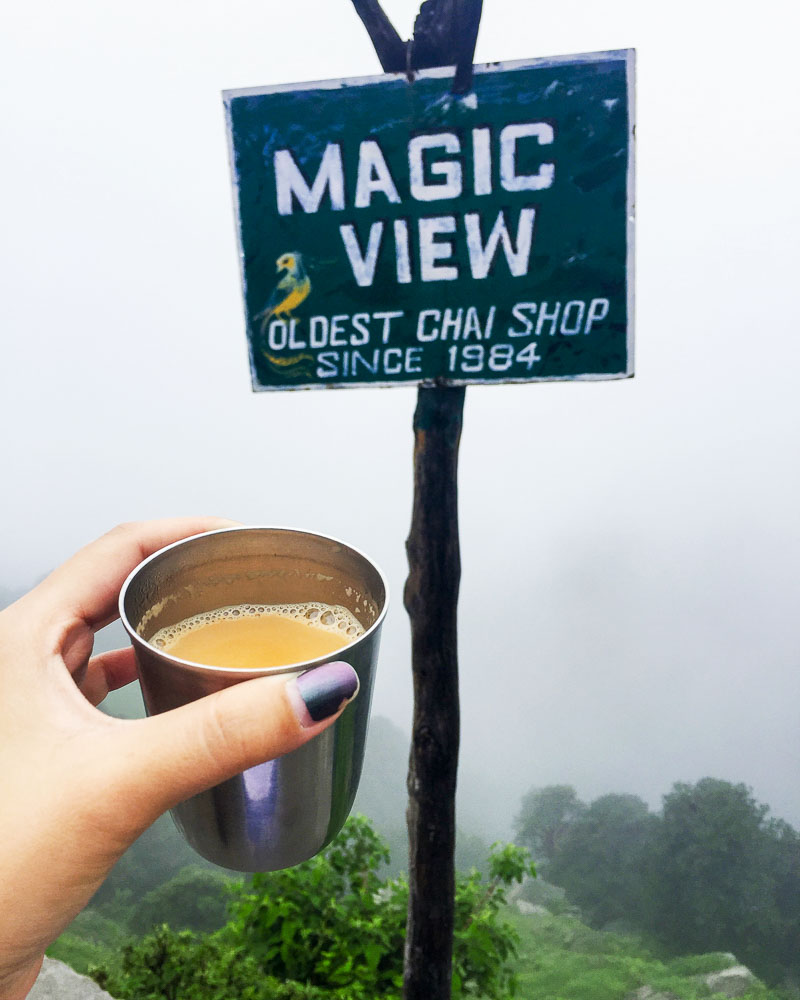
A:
(396, 234)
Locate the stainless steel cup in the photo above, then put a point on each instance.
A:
(280, 813)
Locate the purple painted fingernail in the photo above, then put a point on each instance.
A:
(322, 691)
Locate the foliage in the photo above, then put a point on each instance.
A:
(781, 859)
(559, 958)
(698, 965)
(195, 899)
(79, 953)
(483, 942)
(92, 939)
(330, 921)
(714, 885)
(179, 965)
(562, 959)
(331, 924)
(545, 818)
(601, 858)
(90, 925)
(712, 873)
(157, 856)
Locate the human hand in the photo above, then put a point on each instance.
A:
(77, 787)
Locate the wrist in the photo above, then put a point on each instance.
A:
(16, 984)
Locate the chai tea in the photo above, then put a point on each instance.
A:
(254, 636)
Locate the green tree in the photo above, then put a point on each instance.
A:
(712, 887)
(782, 864)
(601, 861)
(545, 818)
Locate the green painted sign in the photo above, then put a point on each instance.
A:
(391, 233)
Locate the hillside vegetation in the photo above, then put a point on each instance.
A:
(332, 929)
(630, 905)
(713, 871)
(557, 958)
(561, 958)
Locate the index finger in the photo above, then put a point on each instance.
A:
(87, 585)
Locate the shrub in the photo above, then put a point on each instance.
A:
(180, 965)
(331, 924)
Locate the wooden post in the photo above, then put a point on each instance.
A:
(431, 598)
(445, 33)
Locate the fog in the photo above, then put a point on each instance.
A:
(630, 549)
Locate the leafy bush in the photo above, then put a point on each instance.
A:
(179, 965)
(329, 922)
(333, 922)
(332, 925)
(483, 941)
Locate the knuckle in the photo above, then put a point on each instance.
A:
(125, 529)
(223, 736)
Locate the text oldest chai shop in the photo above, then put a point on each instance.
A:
(442, 166)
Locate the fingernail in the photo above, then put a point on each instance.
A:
(319, 693)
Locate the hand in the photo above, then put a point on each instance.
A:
(76, 786)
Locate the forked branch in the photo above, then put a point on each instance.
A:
(445, 33)
(388, 44)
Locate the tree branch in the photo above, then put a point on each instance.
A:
(388, 44)
(445, 33)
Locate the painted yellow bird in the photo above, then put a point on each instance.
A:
(290, 291)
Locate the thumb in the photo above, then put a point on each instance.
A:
(170, 757)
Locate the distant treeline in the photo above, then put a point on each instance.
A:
(712, 871)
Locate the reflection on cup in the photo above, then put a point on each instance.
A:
(325, 601)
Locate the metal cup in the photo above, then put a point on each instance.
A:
(283, 812)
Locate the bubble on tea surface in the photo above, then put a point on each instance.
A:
(327, 617)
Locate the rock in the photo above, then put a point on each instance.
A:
(733, 982)
(57, 981)
(648, 993)
(531, 909)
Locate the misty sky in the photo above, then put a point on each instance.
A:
(630, 549)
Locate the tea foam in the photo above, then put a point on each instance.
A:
(333, 618)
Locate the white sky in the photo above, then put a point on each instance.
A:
(630, 549)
